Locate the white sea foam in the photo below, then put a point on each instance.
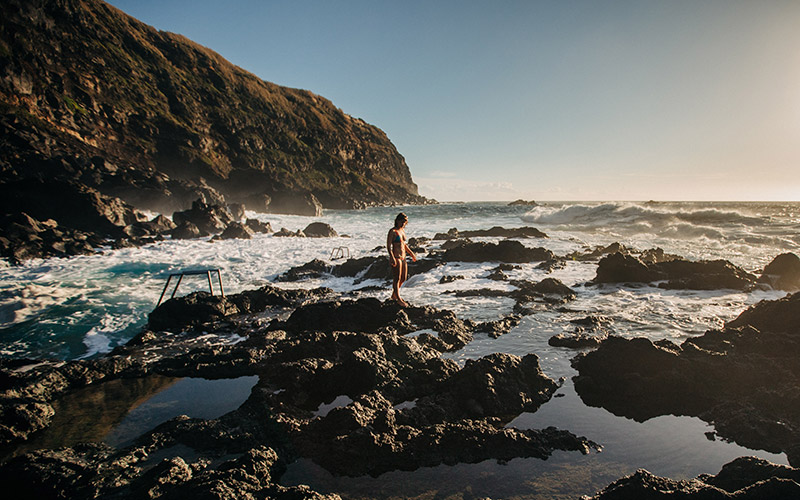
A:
(86, 305)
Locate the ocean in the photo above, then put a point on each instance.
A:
(84, 306)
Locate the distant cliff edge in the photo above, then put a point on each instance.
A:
(90, 95)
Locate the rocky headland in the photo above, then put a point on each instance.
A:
(95, 104)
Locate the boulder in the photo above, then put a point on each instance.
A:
(236, 230)
(745, 477)
(186, 231)
(523, 203)
(504, 251)
(284, 233)
(320, 230)
(73, 205)
(295, 204)
(676, 273)
(743, 379)
(783, 273)
(159, 225)
(210, 219)
(257, 226)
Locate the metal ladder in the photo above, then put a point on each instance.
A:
(195, 272)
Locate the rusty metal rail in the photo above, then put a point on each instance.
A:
(195, 272)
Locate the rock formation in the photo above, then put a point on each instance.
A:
(90, 95)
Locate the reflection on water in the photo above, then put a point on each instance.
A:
(669, 446)
(118, 411)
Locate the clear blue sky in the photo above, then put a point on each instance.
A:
(545, 100)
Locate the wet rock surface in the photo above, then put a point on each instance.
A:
(358, 349)
(497, 232)
(742, 379)
(504, 251)
(745, 477)
(783, 273)
(675, 274)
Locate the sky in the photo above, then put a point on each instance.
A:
(539, 100)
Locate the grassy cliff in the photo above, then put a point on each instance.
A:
(91, 93)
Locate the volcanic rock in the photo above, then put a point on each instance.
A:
(320, 230)
(677, 273)
(210, 219)
(187, 231)
(523, 203)
(741, 379)
(497, 231)
(257, 226)
(745, 477)
(504, 251)
(236, 230)
(783, 273)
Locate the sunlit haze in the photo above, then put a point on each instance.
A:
(545, 100)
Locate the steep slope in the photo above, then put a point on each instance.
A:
(89, 93)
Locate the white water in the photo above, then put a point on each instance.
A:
(85, 306)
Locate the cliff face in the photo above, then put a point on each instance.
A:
(89, 93)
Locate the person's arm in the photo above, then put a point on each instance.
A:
(410, 252)
(389, 247)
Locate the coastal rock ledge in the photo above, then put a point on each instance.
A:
(401, 405)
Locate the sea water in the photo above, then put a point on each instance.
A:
(84, 306)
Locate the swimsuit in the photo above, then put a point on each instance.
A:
(397, 238)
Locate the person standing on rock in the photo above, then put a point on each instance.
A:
(396, 243)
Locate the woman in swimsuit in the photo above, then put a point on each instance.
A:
(396, 243)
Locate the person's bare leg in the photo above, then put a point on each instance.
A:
(402, 274)
(396, 272)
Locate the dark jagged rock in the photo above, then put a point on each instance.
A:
(549, 266)
(497, 275)
(309, 270)
(71, 204)
(498, 327)
(577, 340)
(158, 225)
(460, 415)
(90, 93)
(783, 273)
(782, 315)
(187, 231)
(257, 226)
(678, 273)
(741, 379)
(209, 219)
(549, 291)
(504, 251)
(523, 203)
(598, 252)
(23, 237)
(201, 307)
(236, 230)
(320, 230)
(745, 477)
(284, 233)
(497, 232)
(449, 279)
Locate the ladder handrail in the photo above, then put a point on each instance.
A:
(192, 272)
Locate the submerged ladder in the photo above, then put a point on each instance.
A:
(195, 272)
(340, 253)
